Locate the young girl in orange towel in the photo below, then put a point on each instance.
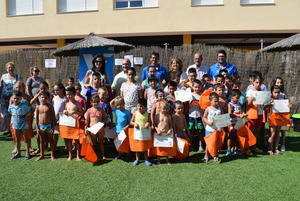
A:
(72, 108)
(275, 123)
(213, 110)
(140, 119)
(92, 116)
(255, 112)
(164, 126)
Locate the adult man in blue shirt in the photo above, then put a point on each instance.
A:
(161, 71)
(214, 70)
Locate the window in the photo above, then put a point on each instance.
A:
(257, 1)
(77, 5)
(136, 3)
(25, 7)
(207, 2)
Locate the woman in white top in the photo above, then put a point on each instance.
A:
(7, 82)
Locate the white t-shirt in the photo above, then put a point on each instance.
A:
(212, 112)
(131, 95)
(251, 93)
(262, 87)
(194, 111)
(200, 70)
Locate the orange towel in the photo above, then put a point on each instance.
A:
(214, 142)
(88, 151)
(166, 151)
(252, 112)
(186, 149)
(137, 145)
(245, 138)
(204, 99)
(28, 132)
(75, 133)
(279, 119)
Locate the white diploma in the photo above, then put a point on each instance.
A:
(222, 120)
(240, 123)
(262, 97)
(120, 139)
(183, 96)
(163, 140)
(110, 133)
(180, 145)
(141, 134)
(95, 128)
(65, 120)
(281, 106)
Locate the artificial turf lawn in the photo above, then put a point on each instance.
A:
(256, 178)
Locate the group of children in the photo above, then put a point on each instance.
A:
(152, 109)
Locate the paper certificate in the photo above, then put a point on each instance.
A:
(281, 106)
(183, 96)
(180, 145)
(65, 120)
(163, 140)
(262, 97)
(222, 120)
(141, 134)
(110, 133)
(95, 128)
(240, 123)
(119, 139)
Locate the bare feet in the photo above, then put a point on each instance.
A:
(53, 157)
(78, 158)
(14, 151)
(36, 152)
(104, 158)
(69, 158)
(277, 152)
(270, 152)
(40, 158)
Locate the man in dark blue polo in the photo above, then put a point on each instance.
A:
(161, 71)
(221, 64)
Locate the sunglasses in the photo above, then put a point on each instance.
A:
(97, 61)
(37, 71)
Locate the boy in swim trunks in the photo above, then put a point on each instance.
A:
(179, 122)
(45, 121)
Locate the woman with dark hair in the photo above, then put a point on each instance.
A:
(33, 82)
(98, 67)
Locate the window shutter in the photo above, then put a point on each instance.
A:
(37, 6)
(150, 3)
(91, 4)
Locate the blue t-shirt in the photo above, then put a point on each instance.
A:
(214, 70)
(122, 119)
(90, 92)
(18, 114)
(161, 73)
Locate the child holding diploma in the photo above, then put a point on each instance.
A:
(195, 122)
(19, 111)
(94, 115)
(121, 115)
(140, 120)
(213, 110)
(45, 121)
(164, 126)
(72, 108)
(235, 111)
(255, 112)
(276, 120)
(278, 81)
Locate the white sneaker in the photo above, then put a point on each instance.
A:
(282, 148)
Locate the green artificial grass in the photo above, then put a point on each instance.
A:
(256, 178)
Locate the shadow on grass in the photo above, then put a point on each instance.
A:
(293, 143)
